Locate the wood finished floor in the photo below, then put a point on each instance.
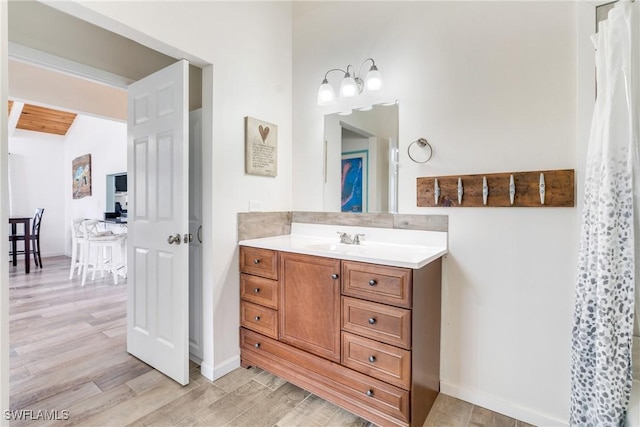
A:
(68, 354)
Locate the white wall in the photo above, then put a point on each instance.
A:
(106, 141)
(492, 86)
(249, 45)
(36, 181)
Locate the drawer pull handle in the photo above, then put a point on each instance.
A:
(256, 261)
(257, 345)
(373, 282)
(256, 290)
(372, 321)
(372, 359)
(334, 276)
(257, 318)
(370, 393)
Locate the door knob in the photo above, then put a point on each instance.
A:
(188, 238)
(174, 239)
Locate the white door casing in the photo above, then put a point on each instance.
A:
(195, 229)
(158, 271)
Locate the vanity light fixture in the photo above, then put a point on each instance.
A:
(352, 84)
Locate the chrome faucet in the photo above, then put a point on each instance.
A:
(347, 239)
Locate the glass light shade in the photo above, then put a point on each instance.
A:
(348, 87)
(373, 81)
(326, 93)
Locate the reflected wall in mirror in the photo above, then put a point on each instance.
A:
(361, 153)
(117, 202)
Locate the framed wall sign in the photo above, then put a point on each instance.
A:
(261, 147)
(81, 170)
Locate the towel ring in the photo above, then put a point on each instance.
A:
(421, 142)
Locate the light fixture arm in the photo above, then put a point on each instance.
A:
(334, 69)
(373, 65)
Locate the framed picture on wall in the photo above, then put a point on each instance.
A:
(355, 176)
(261, 147)
(81, 170)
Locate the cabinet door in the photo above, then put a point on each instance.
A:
(310, 304)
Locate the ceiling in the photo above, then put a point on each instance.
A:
(39, 33)
(35, 25)
(41, 119)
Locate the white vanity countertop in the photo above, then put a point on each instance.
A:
(393, 247)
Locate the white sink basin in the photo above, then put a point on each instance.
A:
(342, 248)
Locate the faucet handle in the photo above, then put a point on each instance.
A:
(344, 237)
(358, 238)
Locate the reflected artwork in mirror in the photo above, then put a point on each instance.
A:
(361, 154)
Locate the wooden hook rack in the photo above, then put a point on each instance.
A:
(551, 188)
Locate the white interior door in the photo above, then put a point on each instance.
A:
(158, 257)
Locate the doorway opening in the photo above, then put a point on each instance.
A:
(203, 96)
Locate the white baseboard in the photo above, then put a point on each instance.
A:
(52, 254)
(213, 373)
(206, 370)
(195, 359)
(46, 254)
(501, 406)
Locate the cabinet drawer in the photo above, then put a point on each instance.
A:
(380, 322)
(259, 290)
(259, 319)
(338, 384)
(388, 285)
(260, 262)
(383, 361)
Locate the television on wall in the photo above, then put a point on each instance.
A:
(121, 183)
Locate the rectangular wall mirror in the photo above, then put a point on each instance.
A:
(361, 160)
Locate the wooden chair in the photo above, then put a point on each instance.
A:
(34, 238)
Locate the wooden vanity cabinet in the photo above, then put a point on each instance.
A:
(363, 336)
(310, 304)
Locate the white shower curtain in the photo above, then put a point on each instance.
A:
(601, 373)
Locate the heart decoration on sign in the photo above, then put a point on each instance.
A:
(264, 132)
